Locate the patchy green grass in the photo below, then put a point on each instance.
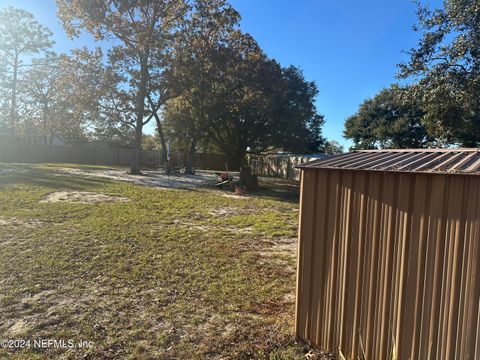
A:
(170, 274)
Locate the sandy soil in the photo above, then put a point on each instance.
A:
(13, 221)
(150, 178)
(13, 170)
(232, 196)
(81, 197)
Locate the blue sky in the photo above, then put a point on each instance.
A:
(350, 48)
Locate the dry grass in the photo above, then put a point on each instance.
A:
(178, 274)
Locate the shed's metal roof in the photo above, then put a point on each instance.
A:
(444, 161)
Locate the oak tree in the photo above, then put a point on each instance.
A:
(142, 30)
(196, 74)
(391, 119)
(446, 69)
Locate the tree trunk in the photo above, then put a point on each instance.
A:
(247, 179)
(191, 154)
(45, 134)
(137, 150)
(13, 108)
(162, 140)
(142, 92)
(238, 158)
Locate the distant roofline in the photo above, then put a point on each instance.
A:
(422, 150)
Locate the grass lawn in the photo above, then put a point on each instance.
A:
(170, 274)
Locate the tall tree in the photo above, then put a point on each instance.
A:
(392, 119)
(253, 105)
(41, 94)
(21, 36)
(296, 113)
(446, 67)
(196, 72)
(63, 94)
(263, 108)
(143, 29)
(244, 105)
(81, 88)
(4, 94)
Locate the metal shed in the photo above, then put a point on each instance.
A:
(389, 254)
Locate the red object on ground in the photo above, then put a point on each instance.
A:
(224, 176)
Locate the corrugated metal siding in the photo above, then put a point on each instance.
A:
(390, 261)
(456, 161)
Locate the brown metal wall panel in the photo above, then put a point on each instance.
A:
(388, 262)
(299, 258)
(304, 253)
(318, 251)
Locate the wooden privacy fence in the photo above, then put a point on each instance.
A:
(37, 153)
(389, 263)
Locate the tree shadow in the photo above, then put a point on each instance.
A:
(52, 180)
(278, 189)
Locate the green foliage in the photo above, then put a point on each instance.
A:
(4, 93)
(188, 61)
(256, 106)
(442, 104)
(21, 36)
(333, 147)
(144, 30)
(195, 77)
(41, 95)
(392, 119)
(446, 66)
(60, 94)
(54, 94)
(81, 87)
(297, 123)
(231, 96)
(149, 142)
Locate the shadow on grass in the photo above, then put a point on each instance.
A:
(70, 182)
(279, 189)
(52, 180)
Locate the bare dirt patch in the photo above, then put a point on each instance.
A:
(149, 178)
(16, 222)
(12, 171)
(226, 211)
(37, 298)
(81, 197)
(214, 227)
(21, 327)
(287, 246)
(233, 196)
